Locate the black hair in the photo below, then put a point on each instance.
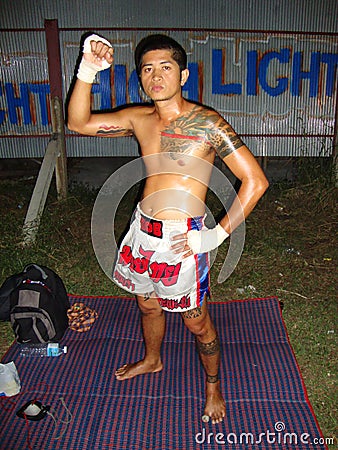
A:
(160, 42)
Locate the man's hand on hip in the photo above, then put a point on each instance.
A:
(199, 241)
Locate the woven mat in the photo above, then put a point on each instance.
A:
(267, 405)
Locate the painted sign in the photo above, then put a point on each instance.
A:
(266, 85)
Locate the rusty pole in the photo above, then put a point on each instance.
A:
(55, 79)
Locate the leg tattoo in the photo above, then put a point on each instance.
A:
(212, 378)
(192, 313)
(210, 348)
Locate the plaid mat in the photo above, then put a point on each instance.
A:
(267, 405)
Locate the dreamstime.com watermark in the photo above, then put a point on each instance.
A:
(279, 436)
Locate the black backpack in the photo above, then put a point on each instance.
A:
(38, 304)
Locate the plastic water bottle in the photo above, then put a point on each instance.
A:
(42, 350)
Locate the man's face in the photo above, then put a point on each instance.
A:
(160, 75)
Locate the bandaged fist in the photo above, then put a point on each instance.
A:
(97, 56)
(203, 241)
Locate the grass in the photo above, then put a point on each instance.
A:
(290, 252)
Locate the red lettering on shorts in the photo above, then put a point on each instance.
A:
(138, 265)
(169, 303)
(125, 282)
(151, 226)
(164, 272)
(158, 271)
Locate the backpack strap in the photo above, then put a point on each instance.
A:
(40, 269)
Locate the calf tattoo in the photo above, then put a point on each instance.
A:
(209, 348)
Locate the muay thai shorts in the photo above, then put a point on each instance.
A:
(146, 265)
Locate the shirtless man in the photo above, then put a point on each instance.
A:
(178, 139)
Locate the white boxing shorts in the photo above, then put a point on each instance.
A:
(147, 266)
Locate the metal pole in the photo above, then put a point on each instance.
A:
(55, 79)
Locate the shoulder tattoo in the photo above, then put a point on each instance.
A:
(223, 138)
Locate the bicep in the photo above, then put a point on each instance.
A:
(114, 124)
(231, 149)
(244, 165)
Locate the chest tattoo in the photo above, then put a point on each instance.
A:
(185, 135)
(200, 130)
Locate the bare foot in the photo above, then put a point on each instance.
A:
(214, 405)
(139, 368)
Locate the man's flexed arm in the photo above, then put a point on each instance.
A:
(97, 56)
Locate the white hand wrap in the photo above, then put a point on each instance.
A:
(88, 70)
(204, 241)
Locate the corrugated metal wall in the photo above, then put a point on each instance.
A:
(277, 89)
(288, 15)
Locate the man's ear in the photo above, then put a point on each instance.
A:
(184, 76)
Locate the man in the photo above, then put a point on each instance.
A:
(164, 256)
